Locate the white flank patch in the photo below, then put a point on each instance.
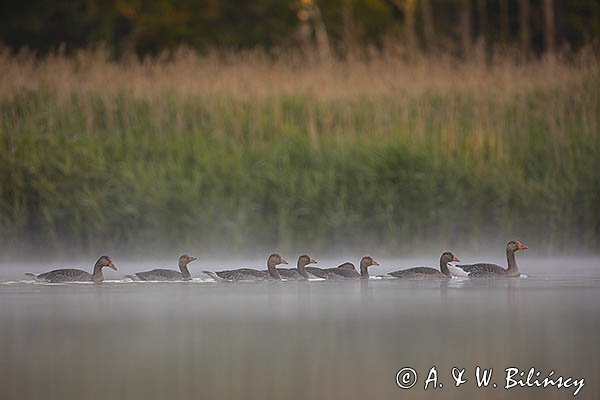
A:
(456, 271)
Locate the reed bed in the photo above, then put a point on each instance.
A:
(242, 150)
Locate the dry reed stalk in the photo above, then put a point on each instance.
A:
(254, 75)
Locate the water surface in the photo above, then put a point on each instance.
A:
(297, 340)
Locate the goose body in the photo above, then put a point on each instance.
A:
(241, 274)
(249, 274)
(487, 270)
(344, 271)
(299, 273)
(159, 274)
(63, 275)
(418, 273)
(483, 269)
(167, 274)
(427, 272)
(76, 275)
(290, 274)
(326, 273)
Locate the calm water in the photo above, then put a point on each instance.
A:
(297, 340)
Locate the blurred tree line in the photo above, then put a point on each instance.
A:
(330, 26)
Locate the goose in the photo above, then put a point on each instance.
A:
(486, 270)
(167, 274)
(428, 272)
(248, 274)
(299, 273)
(76, 275)
(345, 271)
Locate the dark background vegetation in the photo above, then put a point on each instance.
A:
(395, 126)
(149, 27)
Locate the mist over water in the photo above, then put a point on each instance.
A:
(317, 339)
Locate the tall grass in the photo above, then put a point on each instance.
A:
(232, 151)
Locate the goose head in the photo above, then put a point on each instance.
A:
(105, 261)
(304, 260)
(276, 259)
(186, 259)
(514, 246)
(448, 257)
(368, 261)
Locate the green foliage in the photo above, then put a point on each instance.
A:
(112, 171)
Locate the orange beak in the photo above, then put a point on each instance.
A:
(521, 246)
(111, 265)
(455, 259)
(283, 260)
(374, 263)
(313, 261)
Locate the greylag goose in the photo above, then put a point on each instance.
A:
(248, 274)
(345, 271)
(299, 273)
(428, 272)
(484, 270)
(76, 275)
(167, 274)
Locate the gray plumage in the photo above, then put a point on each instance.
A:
(427, 272)
(326, 273)
(299, 273)
(76, 275)
(344, 271)
(484, 270)
(418, 272)
(488, 270)
(241, 274)
(160, 274)
(290, 274)
(249, 274)
(63, 275)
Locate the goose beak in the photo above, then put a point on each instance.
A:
(313, 261)
(455, 259)
(193, 259)
(521, 246)
(374, 263)
(283, 261)
(112, 266)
